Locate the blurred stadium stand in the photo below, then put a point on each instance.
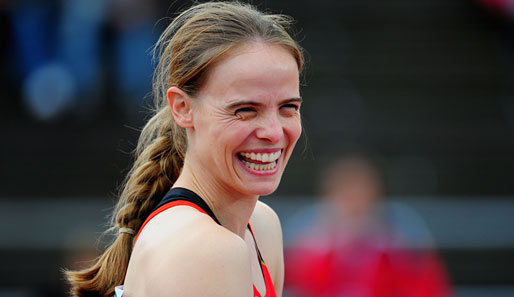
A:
(426, 85)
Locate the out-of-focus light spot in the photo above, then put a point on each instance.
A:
(504, 7)
(48, 91)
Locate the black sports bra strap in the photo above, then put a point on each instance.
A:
(256, 247)
(183, 194)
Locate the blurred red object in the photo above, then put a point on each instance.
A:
(364, 270)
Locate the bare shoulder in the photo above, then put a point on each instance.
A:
(210, 263)
(266, 223)
(200, 258)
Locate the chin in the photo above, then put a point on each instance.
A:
(262, 189)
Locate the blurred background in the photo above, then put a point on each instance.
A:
(423, 88)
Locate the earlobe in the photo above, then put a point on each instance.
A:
(179, 103)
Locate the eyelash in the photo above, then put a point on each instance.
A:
(296, 107)
(246, 110)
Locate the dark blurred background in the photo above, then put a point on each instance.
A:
(425, 86)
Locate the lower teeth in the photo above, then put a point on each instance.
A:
(259, 167)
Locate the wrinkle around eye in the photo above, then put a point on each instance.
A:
(226, 117)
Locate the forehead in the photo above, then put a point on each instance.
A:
(251, 71)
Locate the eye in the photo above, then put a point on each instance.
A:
(292, 106)
(290, 109)
(245, 112)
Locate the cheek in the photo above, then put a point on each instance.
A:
(230, 137)
(294, 130)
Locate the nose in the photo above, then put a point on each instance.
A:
(270, 129)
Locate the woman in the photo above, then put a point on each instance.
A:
(226, 122)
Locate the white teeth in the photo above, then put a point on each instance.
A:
(263, 157)
(269, 160)
(258, 167)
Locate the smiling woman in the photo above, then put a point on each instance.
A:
(226, 121)
(247, 105)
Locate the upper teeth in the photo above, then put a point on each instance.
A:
(263, 157)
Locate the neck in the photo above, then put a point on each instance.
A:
(232, 209)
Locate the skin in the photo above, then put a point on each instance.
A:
(250, 103)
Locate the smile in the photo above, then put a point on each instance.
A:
(260, 161)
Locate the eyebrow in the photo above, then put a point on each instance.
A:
(254, 103)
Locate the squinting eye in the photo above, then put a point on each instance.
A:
(245, 109)
(292, 106)
(290, 109)
(244, 112)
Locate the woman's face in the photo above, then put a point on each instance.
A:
(246, 119)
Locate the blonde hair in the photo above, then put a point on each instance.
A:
(192, 43)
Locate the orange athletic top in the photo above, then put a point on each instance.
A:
(182, 196)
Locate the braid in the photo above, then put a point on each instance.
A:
(155, 170)
(159, 161)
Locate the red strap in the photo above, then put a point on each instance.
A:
(270, 289)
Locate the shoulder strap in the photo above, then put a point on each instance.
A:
(177, 197)
(183, 194)
(256, 246)
(270, 288)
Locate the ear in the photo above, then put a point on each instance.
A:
(180, 104)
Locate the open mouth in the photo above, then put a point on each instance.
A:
(260, 161)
